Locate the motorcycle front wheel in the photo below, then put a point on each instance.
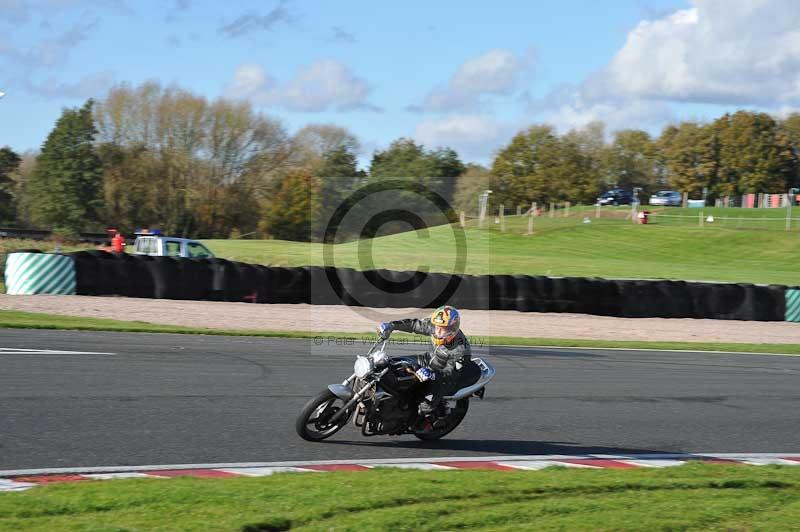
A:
(451, 422)
(312, 423)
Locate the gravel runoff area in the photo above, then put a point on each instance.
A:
(337, 318)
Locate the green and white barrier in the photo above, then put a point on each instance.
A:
(793, 305)
(39, 273)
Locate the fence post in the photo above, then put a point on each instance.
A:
(519, 210)
(633, 212)
(502, 219)
(788, 213)
(566, 209)
(462, 218)
(597, 211)
(700, 218)
(552, 210)
(530, 218)
(685, 199)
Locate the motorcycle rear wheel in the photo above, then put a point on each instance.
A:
(453, 420)
(311, 423)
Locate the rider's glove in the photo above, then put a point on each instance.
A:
(425, 374)
(385, 330)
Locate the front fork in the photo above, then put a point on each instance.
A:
(354, 400)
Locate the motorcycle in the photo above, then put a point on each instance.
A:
(382, 398)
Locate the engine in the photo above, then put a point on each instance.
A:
(390, 415)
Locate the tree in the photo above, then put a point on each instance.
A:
(631, 161)
(21, 188)
(9, 162)
(471, 184)
(66, 186)
(790, 127)
(521, 168)
(754, 154)
(292, 212)
(338, 177)
(578, 169)
(405, 159)
(689, 152)
(196, 167)
(313, 142)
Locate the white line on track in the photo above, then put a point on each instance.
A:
(19, 351)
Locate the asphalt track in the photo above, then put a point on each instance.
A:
(180, 399)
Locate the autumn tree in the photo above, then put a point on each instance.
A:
(689, 152)
(754, 154)
(631, 160)
(290, 214)
(192, 167)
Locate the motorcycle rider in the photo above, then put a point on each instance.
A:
(451, 352)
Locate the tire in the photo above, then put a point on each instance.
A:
(329, 404)
(453, 421)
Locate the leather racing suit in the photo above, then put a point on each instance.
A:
(446, 359)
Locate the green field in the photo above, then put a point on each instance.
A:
(757, 250)
(691, 497)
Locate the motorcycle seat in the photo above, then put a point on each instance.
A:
(469, 375)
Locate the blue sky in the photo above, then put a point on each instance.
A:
(463, 74)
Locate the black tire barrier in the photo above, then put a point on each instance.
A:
(130, 276)
(224, 280)
(251, 281)
(102, 273)
(321, 291)
(165, 273)
(195, 278)
(287, 285)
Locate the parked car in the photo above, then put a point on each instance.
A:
(616, 196)
(669, 198)
(155, 244)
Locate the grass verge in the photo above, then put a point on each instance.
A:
(32, 320)
(691, 497)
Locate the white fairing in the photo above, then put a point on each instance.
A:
(487, 374)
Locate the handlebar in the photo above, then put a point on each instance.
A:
(381, 341)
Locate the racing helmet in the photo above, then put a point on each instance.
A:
(446, 321)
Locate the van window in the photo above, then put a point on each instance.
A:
(198, 251)
(146, 246)
(173, 249)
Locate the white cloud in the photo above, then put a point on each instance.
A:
(323, 85)
(474, 137)
(34, 66)
(719, 51)
(494, 72)
(91, 86)
(637, 114)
